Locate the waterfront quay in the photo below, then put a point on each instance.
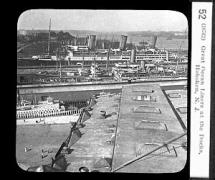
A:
(83, 91)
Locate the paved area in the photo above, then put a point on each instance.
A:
(48, 120)
(38, 137)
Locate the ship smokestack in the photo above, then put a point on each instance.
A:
(133, 55)
(154, 40)
(92, 42)
(49, 36)
(123, 42)
(75, 41)
(103, 45)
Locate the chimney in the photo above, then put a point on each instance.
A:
(92, 42)
(123, 42)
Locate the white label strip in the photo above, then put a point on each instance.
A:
(200, 89)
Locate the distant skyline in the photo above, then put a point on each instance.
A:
(103, 20)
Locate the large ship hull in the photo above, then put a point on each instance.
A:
(42, 63)
(31, 62)
(21, 63)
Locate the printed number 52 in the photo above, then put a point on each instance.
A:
(202, 13)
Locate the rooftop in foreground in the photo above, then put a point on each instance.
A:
(137, 120)
(146, 121)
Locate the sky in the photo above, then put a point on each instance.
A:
(103, 20)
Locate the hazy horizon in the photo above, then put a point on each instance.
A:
(103, 20)
(93, 30)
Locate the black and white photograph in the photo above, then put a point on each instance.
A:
(102, 91)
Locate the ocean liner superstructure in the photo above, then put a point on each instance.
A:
(84, 55)
(89, 53)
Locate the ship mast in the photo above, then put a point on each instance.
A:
(180, 51)
(76, 42)
(108, 55)
(49, 35)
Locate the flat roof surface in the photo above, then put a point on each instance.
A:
(95, 143)
(131, 142)
(180, 102)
